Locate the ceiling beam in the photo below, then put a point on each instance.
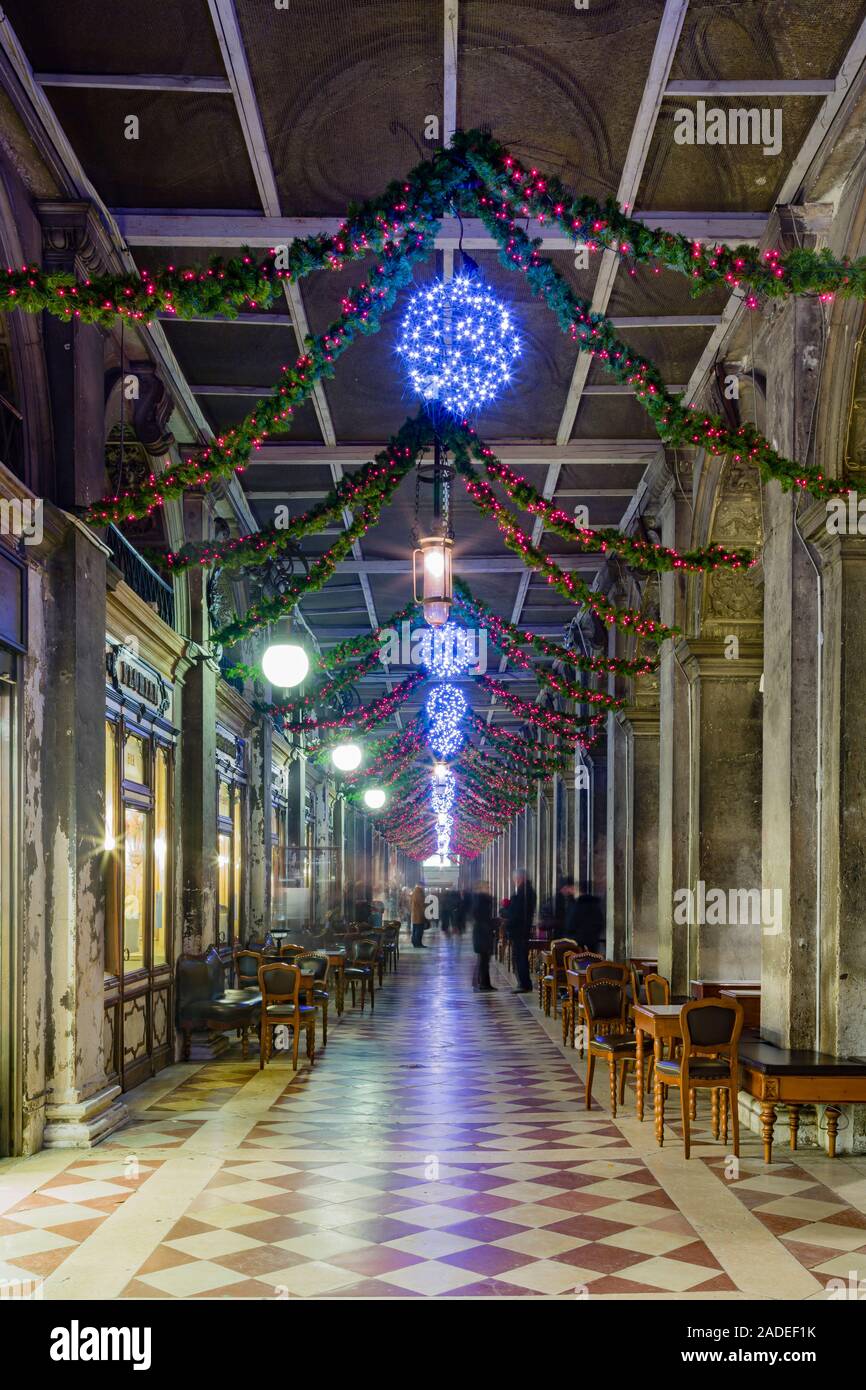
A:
(667, 39)
(262, 320)
(231, 43)
(133, 82)
(449, 83)
(152, 227)
(470, 564)
(256, 392)
(751, 87)
(288, 495)
(599, 452)
(789, 192)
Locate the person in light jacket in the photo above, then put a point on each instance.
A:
(419, 921)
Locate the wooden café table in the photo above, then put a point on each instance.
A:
(661, 1022)
(711, 989)
(779, 1076)
(750, 1002)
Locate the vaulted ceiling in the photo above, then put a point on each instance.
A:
(259, 121)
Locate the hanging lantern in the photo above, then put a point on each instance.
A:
(434, 586)
(374, 798)
(285, 663)
(346, 757)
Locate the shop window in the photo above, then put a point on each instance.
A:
(137, 849)
(279, 862)
(230, 861)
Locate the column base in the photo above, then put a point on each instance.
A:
(83, 1124)
(206, 1047)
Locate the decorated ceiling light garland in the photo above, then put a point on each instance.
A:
(607, 226)
(632, 550)
(509, 638)
(371, 484)
(362, 718)
(677, 424)
(399, 227)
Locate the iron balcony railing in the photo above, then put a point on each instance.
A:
(140, 576)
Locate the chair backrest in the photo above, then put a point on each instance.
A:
(607, 970)
(247, 966)
(279, 982)
(290, 949)
(314, 963)
(216, 972)
(363, 949)
(604, 1002)
(194, 981)
(657, 989)
(559, 948)
(711, 1025)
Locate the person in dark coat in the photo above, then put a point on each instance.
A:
(585, 922)
(519, 916)
(483, 937)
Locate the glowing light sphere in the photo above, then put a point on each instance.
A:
(442, 793)
(459, 344)
(285, 664)
(346, 757)
(447, 651)
(374, 798)
(446, 708)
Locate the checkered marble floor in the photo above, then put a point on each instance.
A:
(439, 1147)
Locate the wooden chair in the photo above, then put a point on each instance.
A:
(599, 969)
(574, 964)
(247, 968)
(656, 990)
(552, 978)
(361, 964)
(316, 963)
(391, 944)
(710, 1030)
(605, 1005)
(290, 949)
(280, 985)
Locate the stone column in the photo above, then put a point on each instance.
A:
(644, 933)
(792, 657)
(618, 837)
(198, 752)
(841, 1012)
(81, 1109)
(260, 799)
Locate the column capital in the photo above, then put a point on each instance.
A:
(73, 237)
(704, 657)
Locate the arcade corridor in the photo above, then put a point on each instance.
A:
(437, 1147)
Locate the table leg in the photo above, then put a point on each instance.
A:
(768, 1120)
(658, 1095)
(639, 1071)
(793, 1123)
(832, 1112)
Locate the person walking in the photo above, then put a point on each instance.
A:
(416, 909)
(519, 916)
(481, 908)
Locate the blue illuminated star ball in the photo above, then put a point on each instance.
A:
(446, 708)
(459, 344)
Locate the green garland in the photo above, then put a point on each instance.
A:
(399, 227)
(509, 639)
(677, 424)
(364, 487)
(605, 226)
(569, 585)
(643, 555)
